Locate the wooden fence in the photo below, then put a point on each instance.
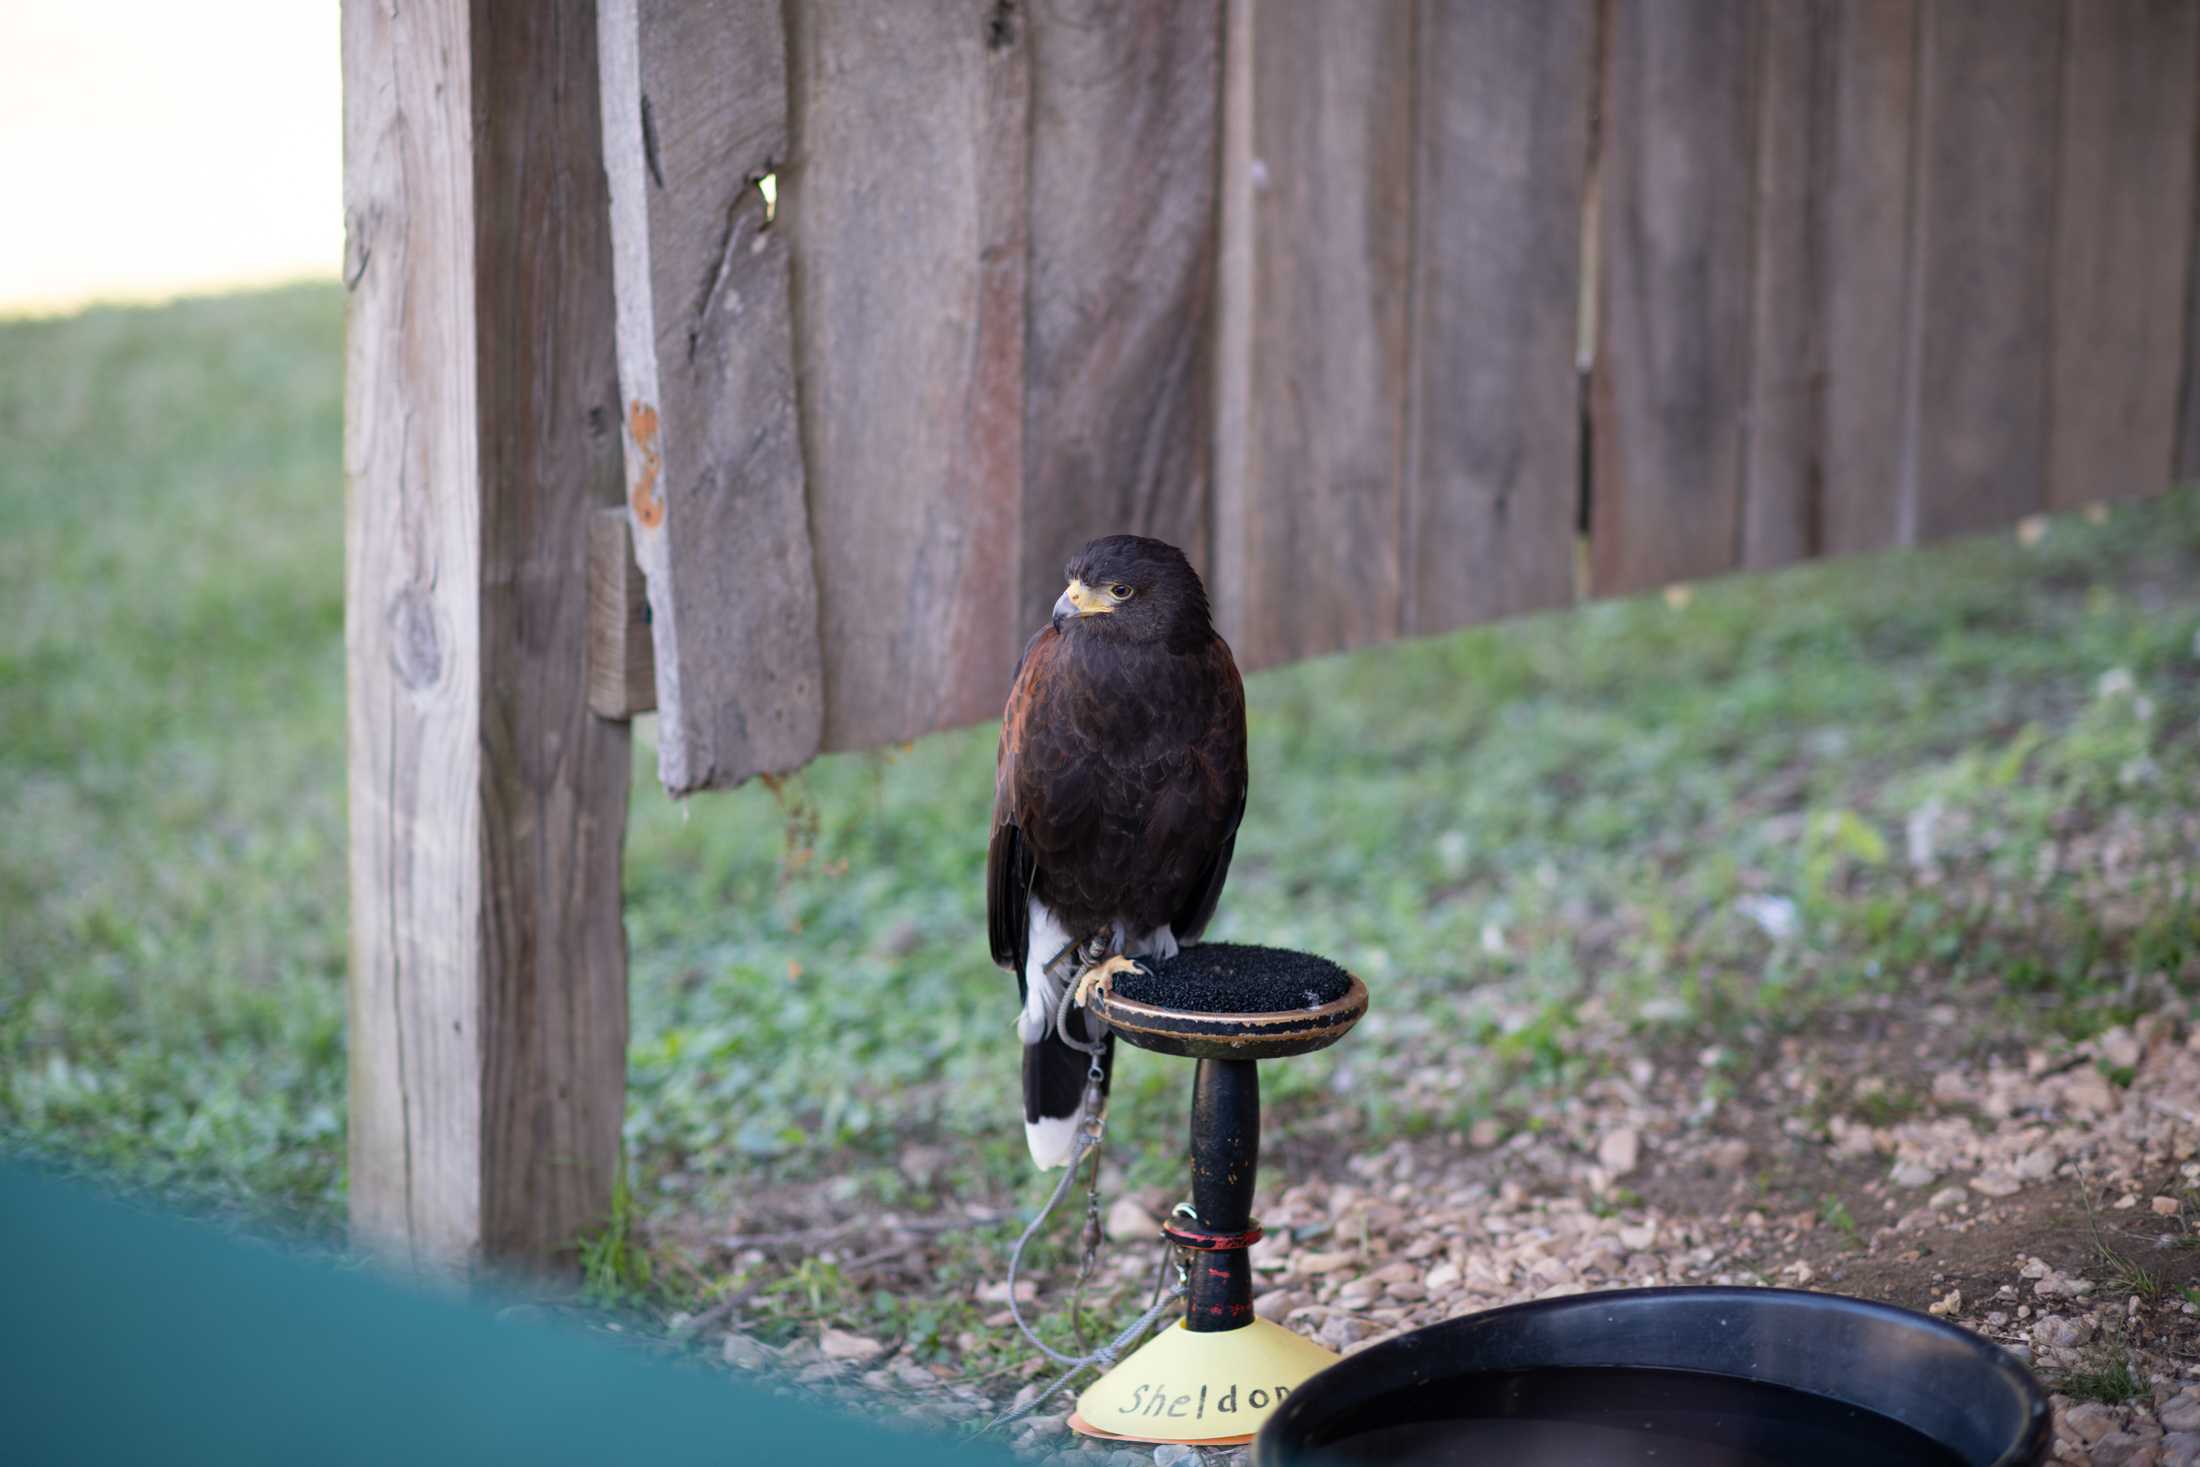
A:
(1302, 284)
(1386, 310)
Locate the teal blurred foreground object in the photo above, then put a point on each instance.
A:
(135, 1337)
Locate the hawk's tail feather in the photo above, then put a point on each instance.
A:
(1054, 1092)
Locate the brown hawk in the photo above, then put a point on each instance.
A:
(1117, 793)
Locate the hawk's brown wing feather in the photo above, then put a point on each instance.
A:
(1007, 897)
(1222, 754)
(1008, 865)
(1119, 790)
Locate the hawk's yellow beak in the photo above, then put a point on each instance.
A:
(1081, 600)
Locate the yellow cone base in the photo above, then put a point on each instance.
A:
(1187, 1386)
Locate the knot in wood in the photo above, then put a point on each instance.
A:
(416, 643)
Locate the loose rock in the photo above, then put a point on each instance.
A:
(836, 1344)
(1321, 1263)
(2090, 1421)
(2182, 1411)
(2124, 1449)
(1127, 1222)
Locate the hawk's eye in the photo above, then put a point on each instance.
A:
(1119, 592)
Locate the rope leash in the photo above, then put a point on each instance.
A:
(1090, 1132)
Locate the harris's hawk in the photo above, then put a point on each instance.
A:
(1118, 789)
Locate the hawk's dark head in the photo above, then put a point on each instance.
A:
(1127, 587)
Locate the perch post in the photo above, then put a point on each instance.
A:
(1216, 1376)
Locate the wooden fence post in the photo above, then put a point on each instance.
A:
(488, 805)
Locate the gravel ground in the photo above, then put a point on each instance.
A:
(1941, 1143)
(2043, 1196)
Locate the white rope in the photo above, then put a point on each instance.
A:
(1087, 1140)
(1106, 1355)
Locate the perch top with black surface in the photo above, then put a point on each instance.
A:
(1226, 1000)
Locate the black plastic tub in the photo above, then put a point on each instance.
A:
(1702, 1377)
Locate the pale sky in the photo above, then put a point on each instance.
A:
(151, 148)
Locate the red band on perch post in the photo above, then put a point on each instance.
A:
(1206, 1241)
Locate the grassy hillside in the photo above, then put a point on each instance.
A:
(1970, 766)
(171, 742)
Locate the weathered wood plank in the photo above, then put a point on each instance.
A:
(1329, 203)
(622, 666)
(1501, 144)
(412, 633)
(2187, 466)
(1989, 98)
(1671, 380)
(2187, 449)
(1780, 511)
(1227, 578)
(2122, 245)
(487, 998)
(905, 203)
(695, 117)
(1865, 102)
(1117, 397)
(555, 778)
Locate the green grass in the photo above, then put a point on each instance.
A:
(616, 1268)
(171, 744)
(2125, 1273)
(1501, 830)
(2108, 1377)
(1835, 1214)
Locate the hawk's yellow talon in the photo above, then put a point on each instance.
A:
(1095, 978)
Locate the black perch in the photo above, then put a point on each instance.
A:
(1225, 1154)
(1228, 1006)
